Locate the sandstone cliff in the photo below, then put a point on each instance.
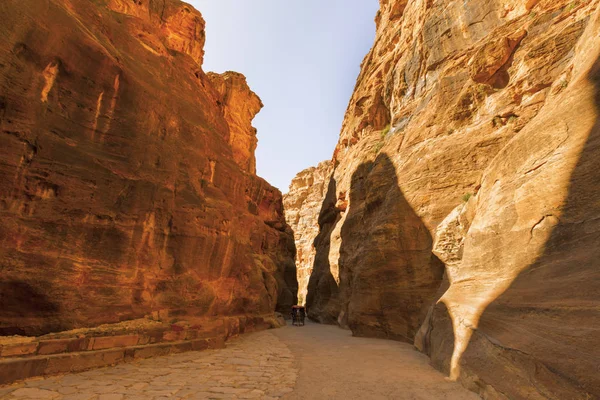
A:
(121, 192)
(468, 158)
(240, 105)
(302, 204)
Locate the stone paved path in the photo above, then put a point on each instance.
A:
(313, 362)
(256, 366)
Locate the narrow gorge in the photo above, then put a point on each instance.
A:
(458, 218)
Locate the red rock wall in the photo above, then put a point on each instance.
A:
(467, 158)
(240, 105)
(119, 192)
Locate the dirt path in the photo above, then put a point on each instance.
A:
(335, 365)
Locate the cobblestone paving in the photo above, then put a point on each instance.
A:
(256, 366)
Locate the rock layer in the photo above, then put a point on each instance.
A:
(470, 140)
(120, 194)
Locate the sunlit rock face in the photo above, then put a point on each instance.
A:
(522, 299)
(240, 105)
(468, 162)
(120, 193)
(302, 206)
(180, 26)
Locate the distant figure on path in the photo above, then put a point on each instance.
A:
(298, 315)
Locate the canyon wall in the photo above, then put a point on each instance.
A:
(122, 188)
(302, 206)
(462, 213)
(241, 106)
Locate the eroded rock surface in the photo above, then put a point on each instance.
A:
(302, 205)
(522, 295)
(120, 192)
(240, 105)
(470, 140)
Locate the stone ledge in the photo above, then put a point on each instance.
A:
(55, 356)
(14, 369)
(88, 341)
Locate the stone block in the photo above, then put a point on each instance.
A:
(151, 351)
(20, 349)
(200, 344)
(173, 336)
(17, 369)
(109, 342)
(181, 347)
(75, 362)
(154, 336)
(217, 342)
(56, 346)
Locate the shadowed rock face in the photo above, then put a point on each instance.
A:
(373, 288)
(120, 193)
(323, 290)
(470, 139)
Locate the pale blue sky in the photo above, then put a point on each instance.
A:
(302, 58)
